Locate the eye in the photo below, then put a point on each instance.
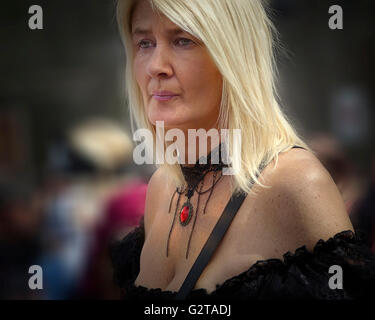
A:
(183, 42)
(144, 44)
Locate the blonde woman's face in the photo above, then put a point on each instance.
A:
(180, 84)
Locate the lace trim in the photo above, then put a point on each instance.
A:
(344, 246)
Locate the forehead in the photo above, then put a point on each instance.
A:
(145, 17)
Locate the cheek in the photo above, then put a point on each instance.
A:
(140, 74)
(204, 82)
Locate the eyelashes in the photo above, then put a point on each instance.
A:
(141, 43)
(179, 42)
(184, 39)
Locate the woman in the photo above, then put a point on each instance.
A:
(209, 64)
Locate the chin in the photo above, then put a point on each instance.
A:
(170, 121)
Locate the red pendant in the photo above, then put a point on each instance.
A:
(186, 213)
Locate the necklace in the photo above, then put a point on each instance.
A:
(194, 178)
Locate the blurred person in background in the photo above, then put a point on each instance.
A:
(84, 173)
(121, 215)
(20, 221)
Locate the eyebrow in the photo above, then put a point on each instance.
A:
(140, 31)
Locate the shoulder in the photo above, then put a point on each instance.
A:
(303, 202)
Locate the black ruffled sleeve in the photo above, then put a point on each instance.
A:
(305, 274)
(300, 275)
(125, 254)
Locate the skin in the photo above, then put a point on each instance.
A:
(303, 205)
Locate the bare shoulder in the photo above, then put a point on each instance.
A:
(156, 189)
(303, 202)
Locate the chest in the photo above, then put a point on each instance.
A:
(243, 244)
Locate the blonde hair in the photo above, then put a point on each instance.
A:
(241, 40)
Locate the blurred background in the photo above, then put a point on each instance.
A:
(68, 185)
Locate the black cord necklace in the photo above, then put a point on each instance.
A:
(194, 177)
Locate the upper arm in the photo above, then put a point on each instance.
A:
(307, 203)
(152, 198)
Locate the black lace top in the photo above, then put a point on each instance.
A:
(300, 275)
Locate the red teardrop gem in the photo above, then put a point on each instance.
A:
(184, 213)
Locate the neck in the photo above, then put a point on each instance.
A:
(190, 149)
(193, 153)
(193, 174)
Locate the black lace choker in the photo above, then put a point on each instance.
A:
(194, 177)
(194, 174)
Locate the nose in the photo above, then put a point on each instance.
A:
(159, 63)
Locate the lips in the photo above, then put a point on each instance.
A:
(164, 95)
